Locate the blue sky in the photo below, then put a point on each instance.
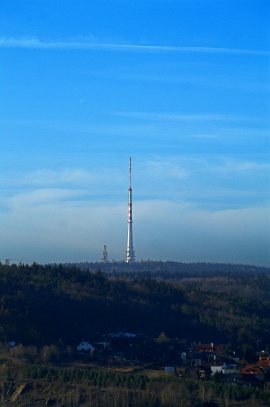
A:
(181, 86)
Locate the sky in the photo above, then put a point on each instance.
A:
(181, 86)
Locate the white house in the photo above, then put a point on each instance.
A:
(223, 365)
(86, 347)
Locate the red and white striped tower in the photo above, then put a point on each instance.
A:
(130, 254)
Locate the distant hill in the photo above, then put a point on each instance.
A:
(199, 301)
(169, 269)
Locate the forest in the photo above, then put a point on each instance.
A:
(47, 308)
(44, 303)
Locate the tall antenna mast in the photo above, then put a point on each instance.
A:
(130, 172)
(105, 255)
(130, 254)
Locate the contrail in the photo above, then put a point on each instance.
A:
(10, 42)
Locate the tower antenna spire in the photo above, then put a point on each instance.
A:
(130, 253)
(130, 172)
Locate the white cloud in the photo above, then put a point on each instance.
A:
(203, 136)
(12, 42)
(189, 165)
(237, 166)
(161, 169)
(68, 180)
(191, 178)
(76, 176)
(40, 197)
(247, 166)
(179, 117)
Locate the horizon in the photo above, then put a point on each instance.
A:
(180, 86)
(19, 263)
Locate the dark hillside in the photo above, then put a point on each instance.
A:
(42, 304)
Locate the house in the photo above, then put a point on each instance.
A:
(253, 375)
(264, 363)
(224, 365)
(208, 348)
(195, 359)
(85, 347)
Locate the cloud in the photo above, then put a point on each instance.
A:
(213, 180)
(55, 225)
(185, 165)
(243, 166)
(68, 214)
(203, 136)
(73, 179)
(178, 117)
(188, 233)
(161, 169)
(75, 176)
(34, 43)
(47, 227)
(38, 198)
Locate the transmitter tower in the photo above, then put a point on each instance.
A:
(105, 255)
(130, 254)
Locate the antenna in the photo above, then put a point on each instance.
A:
(130, 172)
(130, 253)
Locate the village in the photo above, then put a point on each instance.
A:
(135, 353)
